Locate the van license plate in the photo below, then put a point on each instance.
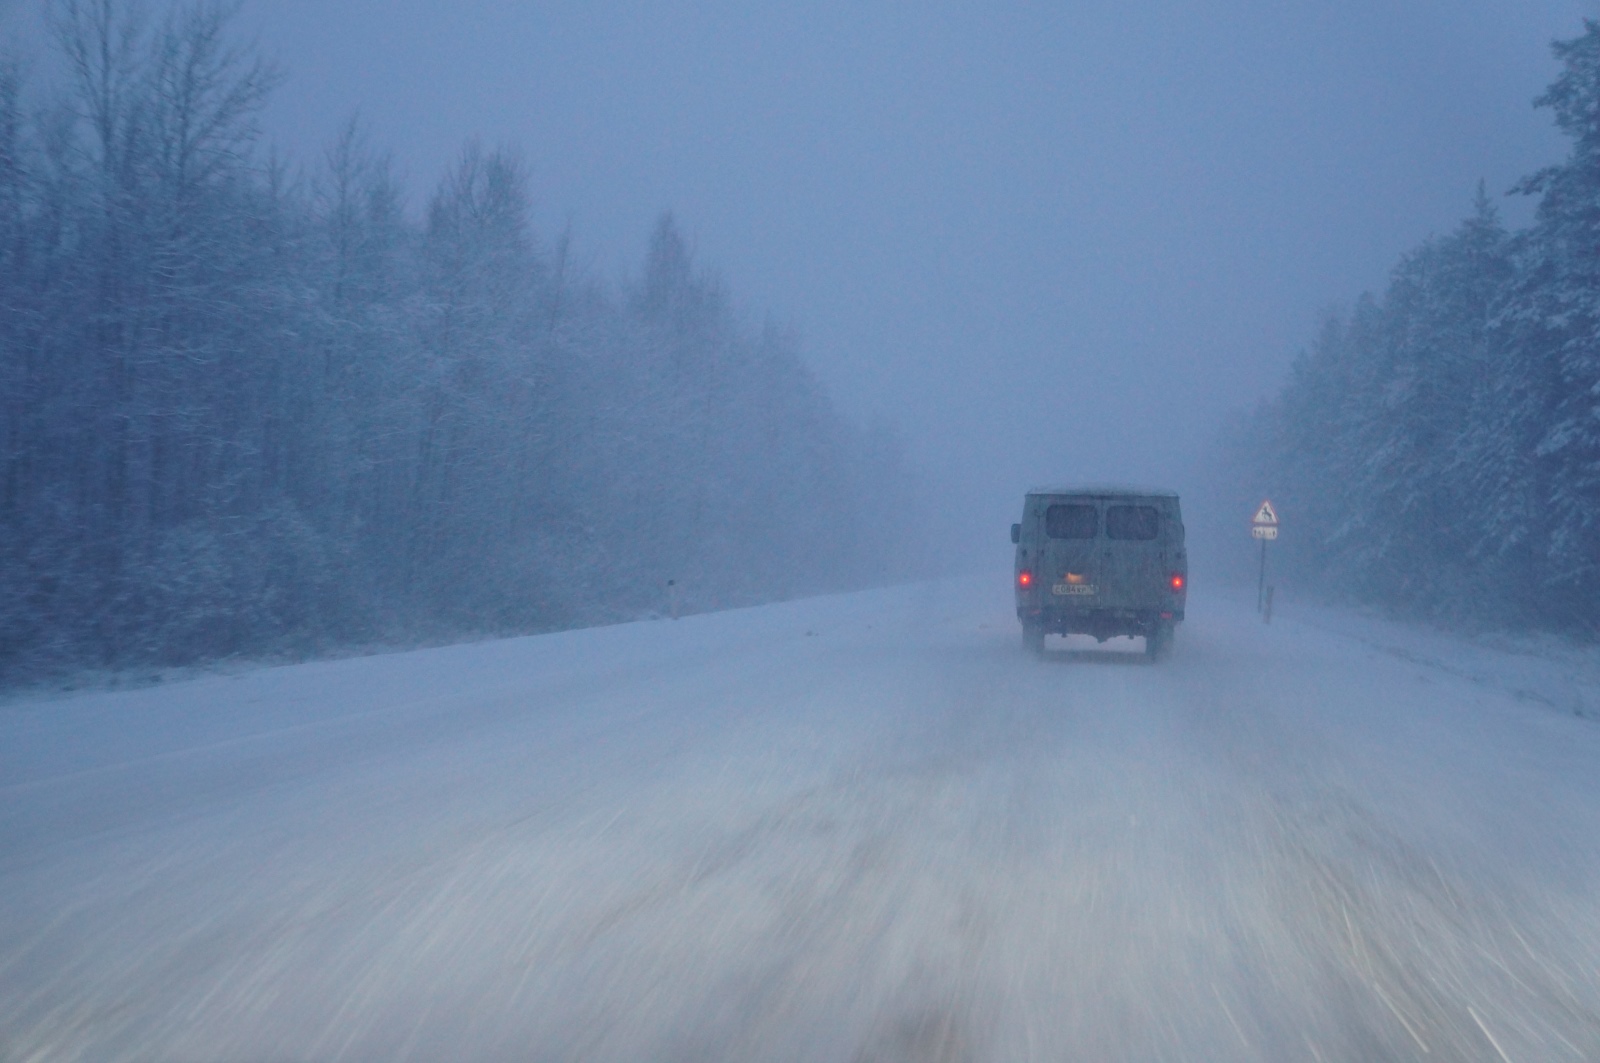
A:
(1072, 588)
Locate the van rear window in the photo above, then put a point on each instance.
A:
(1070, 522)
(1132, 522)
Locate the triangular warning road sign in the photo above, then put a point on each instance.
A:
(1265, 515)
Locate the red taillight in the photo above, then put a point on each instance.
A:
(1177, 582)
(1024, 578)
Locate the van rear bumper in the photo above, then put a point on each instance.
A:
(1101, 623)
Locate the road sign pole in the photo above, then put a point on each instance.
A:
(1261, 581)
(1264, 526)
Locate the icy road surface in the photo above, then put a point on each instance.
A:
(855, 828)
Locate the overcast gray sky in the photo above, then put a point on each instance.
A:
(1049, 241)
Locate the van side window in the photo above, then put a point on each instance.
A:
(1070, 522)
(1132, 522)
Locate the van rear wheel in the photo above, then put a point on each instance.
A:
(1158, 643)
(1033, 639)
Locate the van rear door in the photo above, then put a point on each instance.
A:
(1133, 554)
(1070, 573)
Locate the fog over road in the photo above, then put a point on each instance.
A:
(866, 827)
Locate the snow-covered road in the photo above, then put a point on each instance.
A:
(856, 828)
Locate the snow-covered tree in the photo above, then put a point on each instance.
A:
(1446, 437)
(243, 414)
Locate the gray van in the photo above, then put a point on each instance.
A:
(1101, 561)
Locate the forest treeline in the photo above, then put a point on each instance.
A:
(1437, 448)
(247, 414)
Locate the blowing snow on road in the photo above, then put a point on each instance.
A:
(866, 827)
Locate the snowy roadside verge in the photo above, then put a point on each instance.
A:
(1544, 669)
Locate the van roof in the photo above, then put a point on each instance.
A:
(1105, 491)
